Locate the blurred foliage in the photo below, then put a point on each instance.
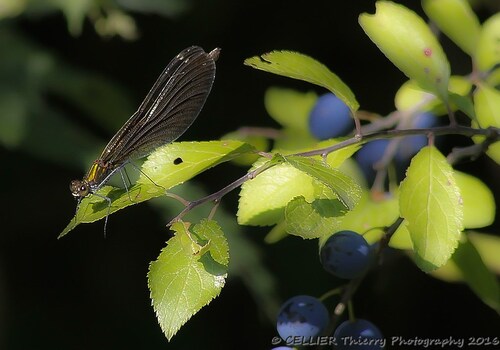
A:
(108, 17)
(30, 79)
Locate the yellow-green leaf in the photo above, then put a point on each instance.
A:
(263, 199)
(289, 107)
(410, 96)
(488, 47)
(478, 201)
(481, 280)
(369, 217)
(313, 220)
(347, 191)
(431, 204)
(189, 272)
(457, 20)
(487, 107)
(299, 66)
(408, 42)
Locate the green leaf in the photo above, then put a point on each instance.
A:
(431, 204)
(187, 274)
(260, 143)
(299, 66)
(487, 105)
(313, 220)
(167, 167)
(293, 140)
(463, 103)
(370, 216)
(411, 97)
(478, 201)
(75, 12)
(210, 231)
(289, 107)
(477, 275)
(345, 188)
(457, 20)
(263, 199)
(407, 41)
(401, 239)
(488, 47)
(337, 158)
(246, 260)
(488, 246)
(371, 213)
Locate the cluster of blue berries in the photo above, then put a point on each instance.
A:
(303, 318)
(330, 117)
(346, 254)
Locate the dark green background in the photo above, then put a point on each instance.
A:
(90, 292)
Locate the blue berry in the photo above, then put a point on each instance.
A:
(373, 151)
(346, 254)
(410, 145)
(302, 316)
(370, 154)
(330, 117)
(360, 334)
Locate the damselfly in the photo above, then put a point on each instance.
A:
(170, 107)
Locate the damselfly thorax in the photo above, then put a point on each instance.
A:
(170, 107)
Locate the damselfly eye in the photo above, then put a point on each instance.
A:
(79, 188)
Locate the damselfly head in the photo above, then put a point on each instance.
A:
(79, 189)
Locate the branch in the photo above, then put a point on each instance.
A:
(492, 134)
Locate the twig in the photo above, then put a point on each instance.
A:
(222, 192)
(471, 152)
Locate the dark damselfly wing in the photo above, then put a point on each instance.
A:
(170, 107)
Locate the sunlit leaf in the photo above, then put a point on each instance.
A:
(299, 66)
(189, 272)
(313, 220)
(431, 204)
(488, 48)
(457, 20)
(263, 199)
(487, 106)
(408, 42)
(411, 96)
(478, 201)
(345, 188)
(289, 107)
(165, 168)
